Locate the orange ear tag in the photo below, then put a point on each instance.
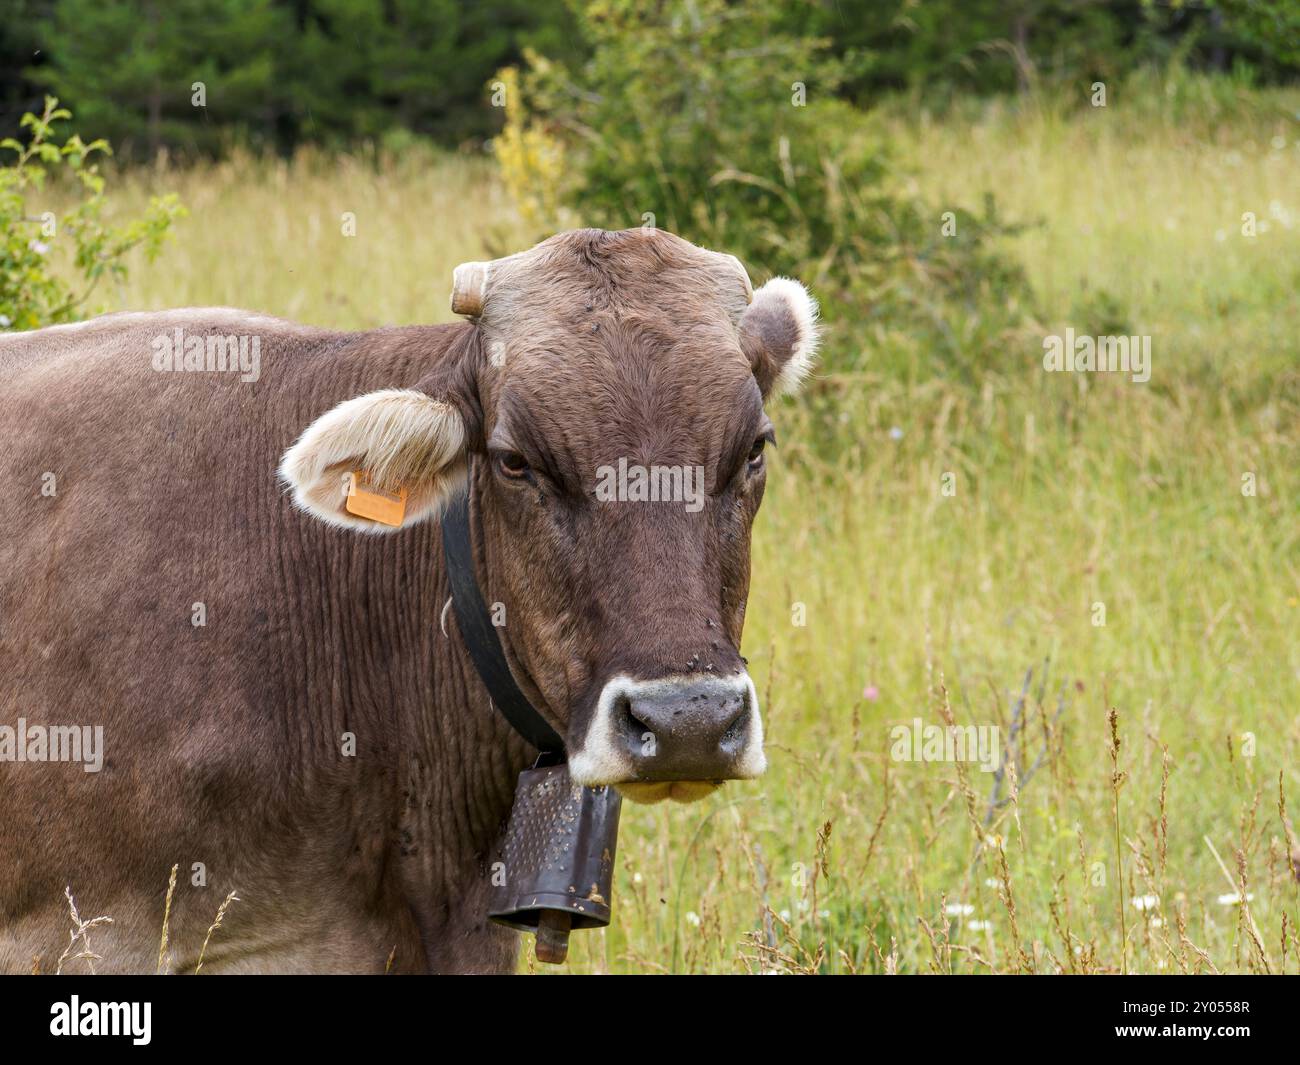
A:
(366, 501)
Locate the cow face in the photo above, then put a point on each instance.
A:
(608, 407)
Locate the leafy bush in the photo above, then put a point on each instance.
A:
(705, 119)
(31, 293)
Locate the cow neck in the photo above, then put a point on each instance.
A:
(481, 638)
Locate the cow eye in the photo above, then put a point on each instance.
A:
(756, 452)
(512, 464)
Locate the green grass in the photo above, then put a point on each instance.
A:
(1070, 491)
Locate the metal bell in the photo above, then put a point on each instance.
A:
(556, 867)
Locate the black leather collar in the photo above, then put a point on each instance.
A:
(481, 637)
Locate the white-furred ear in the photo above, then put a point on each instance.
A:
(779, 335)
(398, 438)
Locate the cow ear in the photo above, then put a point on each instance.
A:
(407, 447)
(778, 333)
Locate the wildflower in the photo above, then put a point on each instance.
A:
(1146, 902)
(958, 909)
(871, 693)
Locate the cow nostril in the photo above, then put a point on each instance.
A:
(734, 734)
(625, 716)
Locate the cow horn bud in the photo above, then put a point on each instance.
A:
(469, 289)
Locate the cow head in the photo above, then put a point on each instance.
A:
(608, 407)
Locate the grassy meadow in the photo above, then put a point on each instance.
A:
(980, 606)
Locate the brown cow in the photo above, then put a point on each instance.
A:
(284, 707)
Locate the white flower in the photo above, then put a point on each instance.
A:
(895, 433)
(38, 246)
(1234, 899)
(636, 878)
(4, 321)
(979, 926)
(1146, 902)
(693, 918)
(958, 909)
(1157, 923)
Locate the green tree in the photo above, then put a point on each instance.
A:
(32, 294)
(1270, 27)
(713, 122)
(20, 53)
(281, 72)
(145, 73)
(362, 67)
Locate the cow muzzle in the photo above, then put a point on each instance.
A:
(675, 737)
